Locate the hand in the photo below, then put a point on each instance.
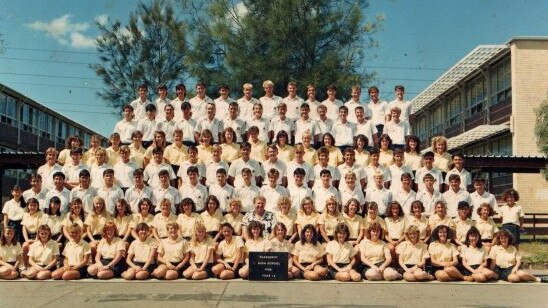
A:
(309, 267)
(138, 269)
(347, 268)
(172, 267)
(105, 268)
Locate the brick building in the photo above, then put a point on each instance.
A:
(485, 105)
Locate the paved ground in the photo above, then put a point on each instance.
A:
(238, 293)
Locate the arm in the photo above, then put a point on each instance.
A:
(324, 234)
(186, 257)
(164, 261)
(119, 256)
(26, 234)
(151, 257)
(239, 256)
(332, 264)
(84, 262)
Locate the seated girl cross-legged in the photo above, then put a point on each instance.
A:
(308, 255)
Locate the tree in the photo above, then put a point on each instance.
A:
(320, 42)
(541, 130)
(149, 49)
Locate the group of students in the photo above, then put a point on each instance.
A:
(183, 192)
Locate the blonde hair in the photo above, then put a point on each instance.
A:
(439, 139)
(268, 83)
(247, 86)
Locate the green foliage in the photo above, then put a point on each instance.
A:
(149, 49)
(541, 130)
(319, 42)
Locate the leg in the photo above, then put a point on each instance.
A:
(141, 275)
(199, 275)
(244, 271)
(295, 272)
(189, 272)
(453, 272)
(93, 270)
(227, 275)
(421, 275)
(43, 275)
(160, 272)
(105, 274)
(390, 274)
(58, 273)
(321, 271)
(31, 273)
(71, 275)
(489, 274)
(5, 270)
(26, 246)
(355, 276)
(514, 278)
(342, 276)
(217, 269)
(410, 277)
(129, 274)
(373, 275)
(311, 275)
(442, 276)
(171, 275)
(479, 277)
(525, 276)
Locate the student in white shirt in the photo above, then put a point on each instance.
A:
(480, 196)
(280, 123)
(127, 125)
(454, 195)
(222, 190)
(312, 102)
(379, 109)
(193, 189)
(272, 191)
(235, 122)
(355, 102)
(260, 122)
(405, 106)
(332, 103)
(73, 167)
(269, 101)
(140, 103)
(325, 191)
(138, 191)
(161, 102)
(397, 129)
(147, 126)
(222, 102)
(306, 124)
(199, 101)
(84, 191)
(343, 131)
(365, 127)
(152, 169)
(298, 191)
(292, 101)
(458, 168)
(377, 193)
(247, 102)
(178, 101)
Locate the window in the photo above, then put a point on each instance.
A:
(502, 146)
(476, 95)
(45, 125)
(437, 120)
(501, 82)
(28, 118)
(422, 130)
(8, 113)
(454, 109)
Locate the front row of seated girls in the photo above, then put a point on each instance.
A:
(201, 257)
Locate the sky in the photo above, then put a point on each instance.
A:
(49, 45)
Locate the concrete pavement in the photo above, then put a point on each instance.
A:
(238, 293)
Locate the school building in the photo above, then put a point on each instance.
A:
(485, 105)
(28, 127)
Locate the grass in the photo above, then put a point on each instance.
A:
(535, 253)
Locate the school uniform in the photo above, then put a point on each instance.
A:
(355, 225)
(228, 251)
(386, 158)
(307, 253)
(436, 173)
(263, 124)
(72, 172)
(32, 222)
(173, 250)
(412, 254)
(368, 221)
(297, 194)
(211, 171)
(420, 223)
(47, 172)
(123, 173)
(288, 220)
(293, 106)
(221, 107)
(309, 125)
(405, 199)
(371, 170)
(139, 107)
(510, 219)
(474, 256)
(43, 253)
(478, 200)
(200, 250)
(462, 227)
(175, 155)
(505, 259)
(63, 195)
(109, 251)
(198, 194)
(303, 219)
(137, 155)
(429, 200)
(413, 160)
(435, 220)
(442, 161)
(138, 218)
(332, 108)
(123, 224)
(465, 177)
(379, 110)
(487, 229)
(278, 124)
(405, 107)
(54, 222)
(368, 129)
(168, 127)
(272, 195)
(322, 194)
(188, 126)
(96, 222)
(134, 194)
(285, 153)
(397, 131)
(270, 105)
(313, 108)
(246, 194)
(348, 193)
(15, 215)
(10, 253)
(330, 222)
(75, 254)
(246, 107)
(111, 195)
(395, 175)
(235, 222)
(335, 156)
(160, 223)
(277, 165)
(40, 196)
(325, 126)
(187, 224)
(151, 173)
(358, 171)
(381, 196)
(309, 173)
(205, 153)
(230, 152)
(441, 253)
(238, 165)
(141, 252)
(258, 150)
(125, 128)
(361, 158)
(238, 125)
(373, 252)
(453, 198)
(260, 245)
(335, 174)
(213, 222)
(182, 172)
(395, 228)
(342, 254)
(223, 194)
(309, 157)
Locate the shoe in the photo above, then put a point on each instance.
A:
(468, 278)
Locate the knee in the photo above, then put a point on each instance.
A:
(342, 276)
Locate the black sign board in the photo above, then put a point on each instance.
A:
(268, 266)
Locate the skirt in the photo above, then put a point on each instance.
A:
(118, 268)
(466, 272)
(208, 269)
(332, 271)
(149, 269)
(503, 273)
